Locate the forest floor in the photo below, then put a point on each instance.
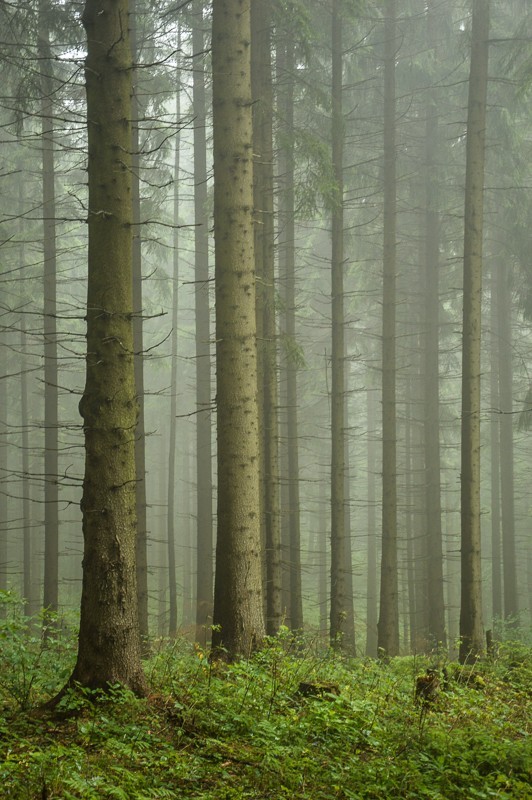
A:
(287, 723)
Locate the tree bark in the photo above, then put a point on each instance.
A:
(388, 626)
(138, 339)
(238, 613)
(262, 92)
(204, 601)
(471, 628)
(109, 640)
(172, 437)
(287, 269)
(436, 603)
(504, 318)
(341, 617)
(371, 585)
(51, 413)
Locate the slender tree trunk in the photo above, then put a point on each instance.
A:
(172, 437)
(286, 66)
(341, 620)
(4, 428)
(323, 576)
(109, 640)
(388, 626)
(371, 591)
(51, 419)
(138, 340)
(495, 356)
(471, 629)
(204, 595)
(26, 499)
(436, 603)
(348, 557)
(504, 315)
(238, 614)
(188, 548)
(262, 91)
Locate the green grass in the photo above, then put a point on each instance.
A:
(220, 732)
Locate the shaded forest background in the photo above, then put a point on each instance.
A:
(43, 208)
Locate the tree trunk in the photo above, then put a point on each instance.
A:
(292, 553)
(371, 590)
(261, 85)
(495, 355)
(51, 421)
(172, 435)
(471, 629)
(109, 639)
(238, 614)
(27, 591)
(504, 315)
(3, 470)
(388, 626)
(204, 595)
(341, 618)
(138, 346)
(436, 602)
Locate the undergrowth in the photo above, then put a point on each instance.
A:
(217, 732)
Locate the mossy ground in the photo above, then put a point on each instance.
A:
(219, 732)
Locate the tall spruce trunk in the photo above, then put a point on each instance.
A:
(51, 382)
(471, 628)
(495, 506)
(238, 613)
(138, 339)
(262, 91)
(341, 617)
(289, 364)
(436, 603)
(371, 585)
(388, 626)
(504, 319)
(172, 437)
(109, 648)
(204, 488)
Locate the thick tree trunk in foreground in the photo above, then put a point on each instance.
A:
(471, 629)
(109, 640)
(238, 613)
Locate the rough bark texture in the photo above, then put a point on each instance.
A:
(109, 640)
(238, 614)
(262, 91)
(388, 627)
(204, 599)
(471, 629)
